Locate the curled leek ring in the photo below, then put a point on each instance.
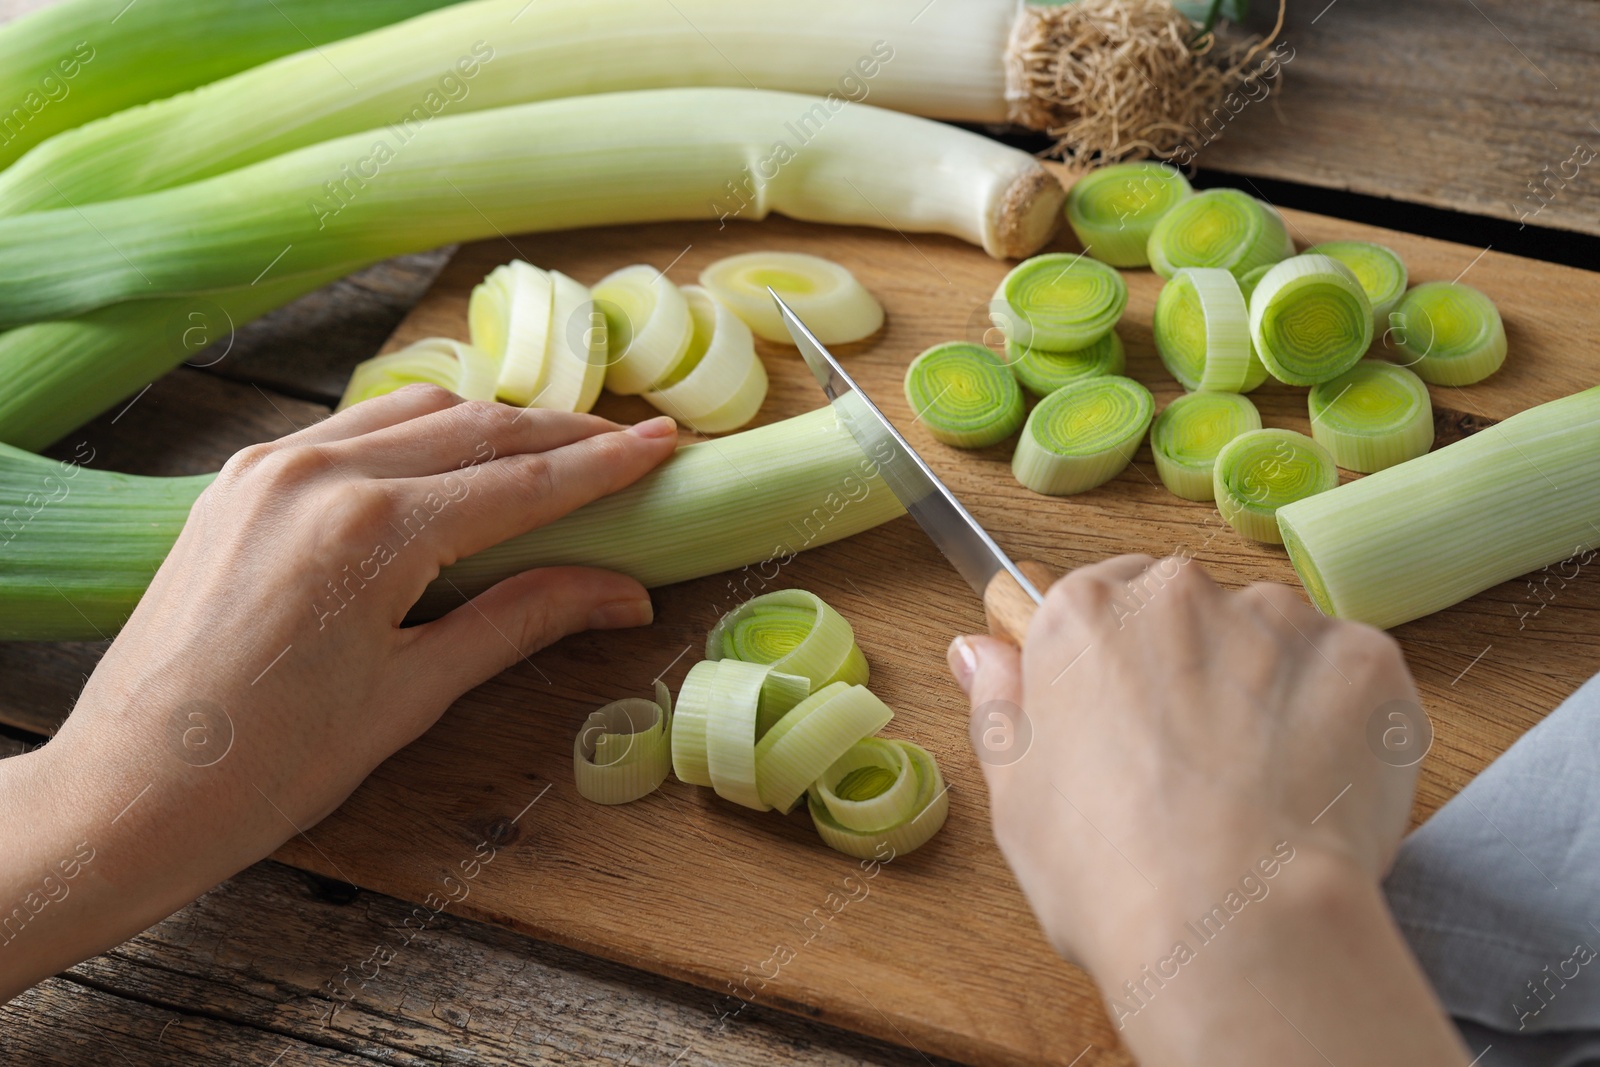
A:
(1372, 416)
(647, 327)
(721, 382)
(624, 750)
(806, 741)
(1260, 471)
(1310, 320)
(465, 370)
(1058, 301)
(964, 394)
(1218, 228)
(1382, 274)
(1082, 435)
(1202, 331)
(1449, 333)
(880, 793)
(796, 633)
(826, 296)
(1042, 372)
(724, 707)
(1188, 434)
(1113, 209)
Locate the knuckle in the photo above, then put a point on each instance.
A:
(291, 465)
(1076, 595)
(539, 474)
(427, 395)
(243, 462)
(1367, 649)
(1275, 598)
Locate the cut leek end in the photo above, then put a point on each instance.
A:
(964, 394)
(922, 817)
(1448, 333)
(1189, 433)
(1310, 320)
(1305, 566)
(1113, 209)
(1373, 416)
(1042, 372)
(824, 295)
(1058, 301)
(1262, 470)
(1083, 435)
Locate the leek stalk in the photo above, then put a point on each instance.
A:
(586, 161)
(1421, 536)
(80, 545)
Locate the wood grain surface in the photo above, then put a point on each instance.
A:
(940, 951)
(1488, 107)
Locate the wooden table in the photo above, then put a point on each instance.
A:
(236, 976)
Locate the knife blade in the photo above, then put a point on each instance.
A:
(948, 524)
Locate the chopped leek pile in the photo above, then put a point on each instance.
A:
(1310, 319)
(1112, 210)
(1449, 333)
(779, 709)
(827, 298)
(1082, 435)
(964, 394)
(1042, 371)
(1372, 416)
(1186, 437)
(1202, 331)
(1218, 228)
(1260, 471)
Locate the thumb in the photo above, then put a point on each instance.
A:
(515, 618)
(989, 671)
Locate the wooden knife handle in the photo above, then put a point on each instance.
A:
(1008, 606)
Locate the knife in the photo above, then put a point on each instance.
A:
(1010, 591)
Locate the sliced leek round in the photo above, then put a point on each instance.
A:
(1252, 278)
(806, 741)
(1382, 274)
(509, 316)
(1260, 471)
(721, 382)
(964, 394)
(1058, 301)
(827, 298)
(576, 359)
(1218, 228)
(1449, 333)
(1042, 371)
(1310, 320)
(624, 750)
(1082, 435)
(648, 327)
(835, 806)
(1186, 437)
(1372, 416)
(1113, 209)
(796, 633)
(689, 725)
(463, 369)
(724, 708)
(1202, 332)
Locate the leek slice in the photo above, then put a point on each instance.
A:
(624, 750)
(576, 356)
(1372, 416)
(1262, 470)
(1449, 333)
(795, 632)
(1186, 437)
(1202, 332)
(1082, 435)
(1113, 209)
(1042, 371)
(648, 327)
(871, 787)
(964, 395)
(1421, 536)
(1252, 278)
(689, 726)
(826, 296)
(806, 741)
(1059, 301)
(724, 708)
(1382, 274)
(1310, 320)
(927, 812)
(467, 371)
(1218, 228)
(509, 316)
(721, 382)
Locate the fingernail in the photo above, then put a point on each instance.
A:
(660, 426)
(622, 614)
(963, 662)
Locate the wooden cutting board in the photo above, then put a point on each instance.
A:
(938, 950)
